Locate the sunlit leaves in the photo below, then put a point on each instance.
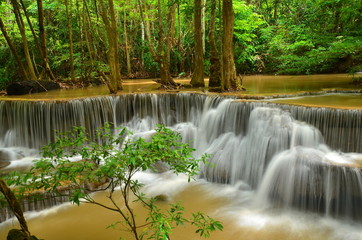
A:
(77, 165)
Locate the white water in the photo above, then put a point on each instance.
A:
(277, 169)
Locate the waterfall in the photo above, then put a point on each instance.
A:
(288, 155)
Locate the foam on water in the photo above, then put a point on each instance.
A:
(268, 161)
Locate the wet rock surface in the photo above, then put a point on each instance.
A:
(28, 87)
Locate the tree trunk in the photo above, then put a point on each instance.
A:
(275, 13)
(44, 50)
(87, 23)
(229, 79)
(198, 76)
(20, 23)
(162, 55)
(70, 34)
(114, 80)
(15, 207)
(13, 51)
(215, 77)
(203, 23)
(170, 26)
(126, 46)
(46, 65)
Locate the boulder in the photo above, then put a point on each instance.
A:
(28, 87)
(4, 163)
(17, 234)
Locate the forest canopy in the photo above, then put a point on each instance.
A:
(84, 41)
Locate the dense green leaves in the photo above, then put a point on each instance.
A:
(285, 37)
(110, 163)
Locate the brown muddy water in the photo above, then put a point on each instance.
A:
(242, 218)
(223, 202)
(256, 85)
(336, 100)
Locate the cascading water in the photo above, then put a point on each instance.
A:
(264, 148)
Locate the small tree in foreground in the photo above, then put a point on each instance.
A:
(111, 165)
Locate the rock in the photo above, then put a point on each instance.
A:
(28, 87)
(160, 167)
(17, 234)
(10, 154)
(4, 163)
(162, 198)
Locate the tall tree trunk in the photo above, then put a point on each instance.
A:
(13, 51)
(215, 77)
(143, 40)
(44, 50)
(203, 23)
(126, 46)
(162, 55)
(230, 81)
(20, 23)
(170, 26)
(46, 65)
(87, 23)
(275, 13)
(70, 34)
(15, 207)
(114, 80)
(198, 76)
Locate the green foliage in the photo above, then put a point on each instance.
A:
(110, 164)
(247, 24)
(284, 37)
(311, 37)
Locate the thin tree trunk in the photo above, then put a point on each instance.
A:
(203, 21)
(275, 13)
(215, 77)
(229, 79)
(46, 65)
(198, 75)
(20, 23)
(87, 23)
(13, 50)
(70, 34)
(43, 46)
(114, 34)
(114, 79)
(171, 23)
(15, 207)
(143, 40)
(162, 55)
(125, 35)
(31, 26)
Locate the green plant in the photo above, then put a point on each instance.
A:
(110, 164)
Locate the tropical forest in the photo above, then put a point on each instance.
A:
(180, 119)
(87, 42)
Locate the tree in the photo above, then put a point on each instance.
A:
(126, 42)
(108, 15)
(166, 30)
(215, 75)
(16, 208)
(13, 50)
(230, 81)
(70, 32)
(42, 36)
(21, 26)
(198, 75)
(110, 165)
